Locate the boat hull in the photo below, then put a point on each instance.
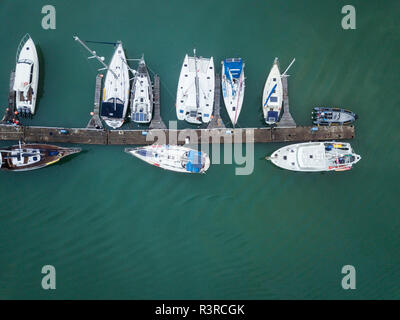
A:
(233, 85)
(33, 156)
(173, 158)
(141, 96)
(26, 76)
(332, 116)
(272, 95)
(190, 106)
(315, 157)
(116, 90)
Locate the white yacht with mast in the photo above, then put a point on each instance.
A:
(26, 76)
(232, 83)
(141, 95)
(195, 94)
(173, 157)
(272, 95)
(116, 86)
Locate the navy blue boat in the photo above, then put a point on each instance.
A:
(332, 116)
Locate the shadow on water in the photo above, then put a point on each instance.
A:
(70, 158)
(41, 76)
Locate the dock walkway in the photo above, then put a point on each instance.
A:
(287, 120)
(216, 121)
(156, 121)
(95, 121)
(9, 113)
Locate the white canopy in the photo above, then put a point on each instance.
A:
(22, 75)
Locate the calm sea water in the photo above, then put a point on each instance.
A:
(114, 227)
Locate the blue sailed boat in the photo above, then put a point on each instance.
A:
(233, 84)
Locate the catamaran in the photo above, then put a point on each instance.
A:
(172, 157)
(141, 95)
(315, 156)
(332, 116)
(24, 157)
(116, 86)
(273, 95)
(26, 76)
(195, 95)
(232, 82)
(116, 90)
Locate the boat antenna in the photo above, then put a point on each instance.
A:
(196, 80)
(284, 74)
(94, 55)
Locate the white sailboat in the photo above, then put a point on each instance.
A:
(142, 95)
(195, 94)
(116, 90)
(315, 156)
(232, 83)
(173, 157)
(272, 95)
(26, 76)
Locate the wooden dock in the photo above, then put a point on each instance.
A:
(287, 120)
(9, 113)
(216, 132)
(143, 137)
(156, 121)
(216, 121)
(95, 121)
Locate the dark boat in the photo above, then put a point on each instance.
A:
(24, 157)
(332, 116)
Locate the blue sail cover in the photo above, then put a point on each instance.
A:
(272, 116)
(233, 65)
(194, 164)
(111, 109)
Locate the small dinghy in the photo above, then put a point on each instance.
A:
(272, 95)
(332, 116)
(195, 94)
(315, 156)
(24, 157)
(172, 157)
(141, 95)
(116, 90)
(26, 77)
(232, 82)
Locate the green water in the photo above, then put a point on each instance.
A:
(115, 227)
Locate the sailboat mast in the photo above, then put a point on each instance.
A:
(94, 55)
(196, 81)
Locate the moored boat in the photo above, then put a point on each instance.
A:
(173, 157)
(26, 77)
(195, 94)
(24, 157)
(272, 95)
(233, 85)
(141, 95)
(116, 90)
(332, 116)
(315, 156)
